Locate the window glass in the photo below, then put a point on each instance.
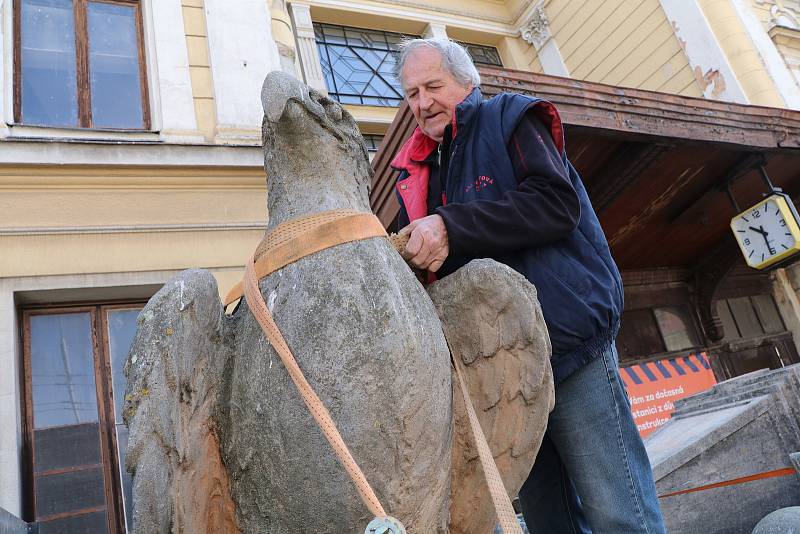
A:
(68, 482)
(121, 330)
(49, 79)
(62, 370)
(483, 55)
(745, 316)
(114, 66)
(676, 327)
(358, 64)
(373, 142)
(79, 64)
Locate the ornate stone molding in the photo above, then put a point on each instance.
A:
(784, 13)
(536, 30)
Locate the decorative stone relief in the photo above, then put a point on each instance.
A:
(784, 13)
(537, 30)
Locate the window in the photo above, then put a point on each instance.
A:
(75, 440)
(639, 336)
(748, 317)
(358, 64)
(373, 141)
(79, 64)
(655, 330)
(676, 326)
(483, 55)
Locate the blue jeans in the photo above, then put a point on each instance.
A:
(592, 474)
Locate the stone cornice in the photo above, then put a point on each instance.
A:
(135, 153)
(785, 36)
(133, 229)
(427, 13)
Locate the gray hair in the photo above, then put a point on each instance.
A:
(455, 59)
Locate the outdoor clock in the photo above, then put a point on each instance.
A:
(768, 232)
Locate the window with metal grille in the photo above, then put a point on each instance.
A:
(358, 64)
(483, 55)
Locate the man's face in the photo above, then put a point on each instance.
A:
(431, 91)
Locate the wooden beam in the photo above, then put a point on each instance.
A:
(626, 164)
(382, 198)
(687, 212)
(676, 185)
(791, 294)
(632, 115)
(648, 113)
(706, 279)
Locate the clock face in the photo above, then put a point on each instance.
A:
(764, 233)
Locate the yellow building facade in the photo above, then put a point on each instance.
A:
(95, 218)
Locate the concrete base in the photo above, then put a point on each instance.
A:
(741, 427)
(11, 524)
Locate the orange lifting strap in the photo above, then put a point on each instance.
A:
(298, 238)
(295, 239)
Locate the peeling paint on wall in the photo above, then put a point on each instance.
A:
(678, 35)
(709, 64)
(712, 77)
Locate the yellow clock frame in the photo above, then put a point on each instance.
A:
(789, 214)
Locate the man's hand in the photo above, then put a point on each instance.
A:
(427, 247)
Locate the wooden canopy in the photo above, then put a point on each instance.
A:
(658, 168)
(656, 165)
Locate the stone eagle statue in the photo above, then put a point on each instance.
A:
(220, 440)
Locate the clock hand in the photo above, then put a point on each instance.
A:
(759, 230)
(764, 234)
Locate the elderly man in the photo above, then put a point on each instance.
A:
(491, 179)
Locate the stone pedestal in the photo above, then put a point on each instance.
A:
(11, 524)
(741, 427)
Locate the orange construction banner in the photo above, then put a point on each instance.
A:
(653, 387)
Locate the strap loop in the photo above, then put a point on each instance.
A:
(293, 240)
(255, 302)
(298, 238)
(502, 503)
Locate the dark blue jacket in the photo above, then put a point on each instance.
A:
(577, 281)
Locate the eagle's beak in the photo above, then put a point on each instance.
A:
(278, 88)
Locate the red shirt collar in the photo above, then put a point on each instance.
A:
(416, 149)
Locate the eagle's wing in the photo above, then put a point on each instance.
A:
(493, 322)
(175, 371)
